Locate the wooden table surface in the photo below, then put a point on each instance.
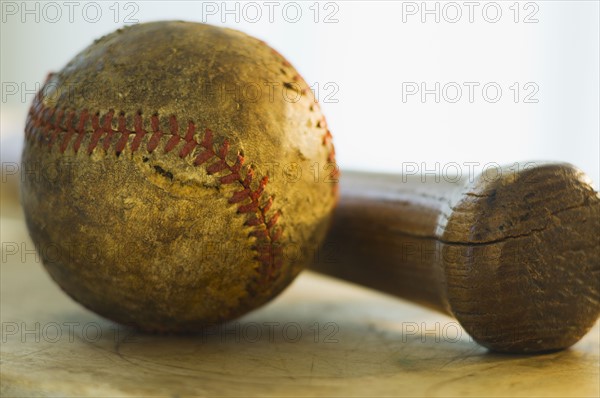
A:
(321, 337)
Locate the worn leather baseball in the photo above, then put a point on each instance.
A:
(176, 175)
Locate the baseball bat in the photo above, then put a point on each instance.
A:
(513, 254)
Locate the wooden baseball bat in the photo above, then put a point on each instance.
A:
(513, 255)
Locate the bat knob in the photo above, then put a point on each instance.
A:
(521, 258)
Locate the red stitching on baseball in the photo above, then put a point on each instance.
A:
(55, 127)
(70, 132)
(45, 124)
(139, 132)
(174, 127)
(190, 141)
(124, 134)
(97, 133)
(107, 129)
(80, 129)
(157, 133)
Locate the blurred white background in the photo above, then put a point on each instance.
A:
(369, 62)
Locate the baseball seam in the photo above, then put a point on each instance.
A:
(47, 124)
(327, 138)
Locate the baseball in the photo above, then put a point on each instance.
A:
(194, 175)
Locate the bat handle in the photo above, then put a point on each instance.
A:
(513, 255)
